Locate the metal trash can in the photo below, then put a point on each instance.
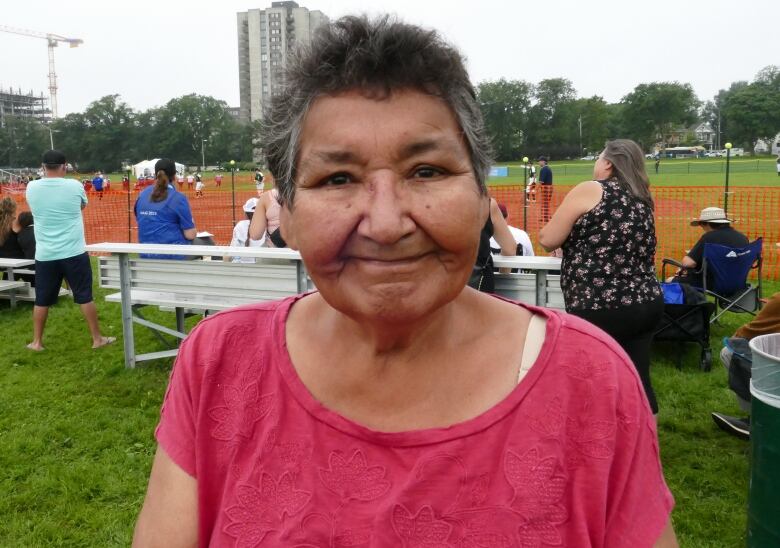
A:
(764, 498)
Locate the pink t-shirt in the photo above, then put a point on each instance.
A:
(569, 458)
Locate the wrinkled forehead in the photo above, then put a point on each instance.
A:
(337, 125)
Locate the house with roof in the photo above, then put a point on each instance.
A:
(700, 133)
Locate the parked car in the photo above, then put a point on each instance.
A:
(713, 154)
(588, 158)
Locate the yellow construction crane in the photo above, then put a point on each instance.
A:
(53, 40)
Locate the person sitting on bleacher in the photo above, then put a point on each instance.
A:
(163, 213)
(241, 233)
(524, 246)
(717, 230)
(737, 359)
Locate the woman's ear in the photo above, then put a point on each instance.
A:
(287, 226)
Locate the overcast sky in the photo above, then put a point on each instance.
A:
(151, 51)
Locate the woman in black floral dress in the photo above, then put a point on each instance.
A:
(607, 232)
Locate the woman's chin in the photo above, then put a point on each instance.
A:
(399, 303)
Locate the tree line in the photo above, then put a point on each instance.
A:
(109, 133)
(527, 119)
(522, 119)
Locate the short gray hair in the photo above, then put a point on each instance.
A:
(378, 56)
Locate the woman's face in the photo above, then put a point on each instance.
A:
(603, 168)
(387, 212)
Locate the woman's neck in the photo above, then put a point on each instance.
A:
(393, 339)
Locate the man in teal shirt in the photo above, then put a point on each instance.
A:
(56, 205)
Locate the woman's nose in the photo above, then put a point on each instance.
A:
(386, 218)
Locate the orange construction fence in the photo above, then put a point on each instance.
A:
(755, 210)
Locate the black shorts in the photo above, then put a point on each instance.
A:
(76, 270)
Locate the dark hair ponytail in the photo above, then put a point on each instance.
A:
(160, 191)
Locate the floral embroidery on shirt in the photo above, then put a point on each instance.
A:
(549, 422)
(294, 454)
(479, 490)
(583, 368)
(420, 530)
(243, 408)
(539, 485)
(353, 478)
(589, 438)
(260, 511)
(318, 530)
(485, 540)
(248, 355)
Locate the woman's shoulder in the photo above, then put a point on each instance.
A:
(586, 350)
(588, 191)
(256, 317)
(224, 346)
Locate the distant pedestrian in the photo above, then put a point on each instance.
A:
(657, 164)
(545, 182)
(56, 204)
(530, 189)
(778, 166)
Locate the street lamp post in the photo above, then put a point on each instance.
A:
(233, 188)
(726, 193)
(525, 193)
(51, 137)
(203, 154)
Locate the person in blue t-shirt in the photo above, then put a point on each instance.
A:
(545, 182)
(97, 184)
(56, 203)
(163, 213)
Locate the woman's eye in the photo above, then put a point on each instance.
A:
(427, 172)
(337, 180)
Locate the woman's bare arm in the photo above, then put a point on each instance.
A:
(501, 231)
(169, 517)
(259, 223)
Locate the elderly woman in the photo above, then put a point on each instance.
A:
(607, 232)
(396, 406)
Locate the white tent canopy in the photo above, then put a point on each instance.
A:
(145, 168)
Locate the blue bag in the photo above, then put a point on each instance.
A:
(673, 293)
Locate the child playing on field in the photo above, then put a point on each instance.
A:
(199, 186)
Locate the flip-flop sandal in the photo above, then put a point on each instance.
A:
(106, 342)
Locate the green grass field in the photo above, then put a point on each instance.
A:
(76, 434)
(682, 172)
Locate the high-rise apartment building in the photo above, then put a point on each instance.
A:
(265, 36)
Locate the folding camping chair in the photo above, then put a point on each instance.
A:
(724, 275)
(687, 320)
(728, 269)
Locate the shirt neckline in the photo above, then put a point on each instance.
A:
(410, 438)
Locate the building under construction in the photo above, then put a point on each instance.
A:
(26, 105)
